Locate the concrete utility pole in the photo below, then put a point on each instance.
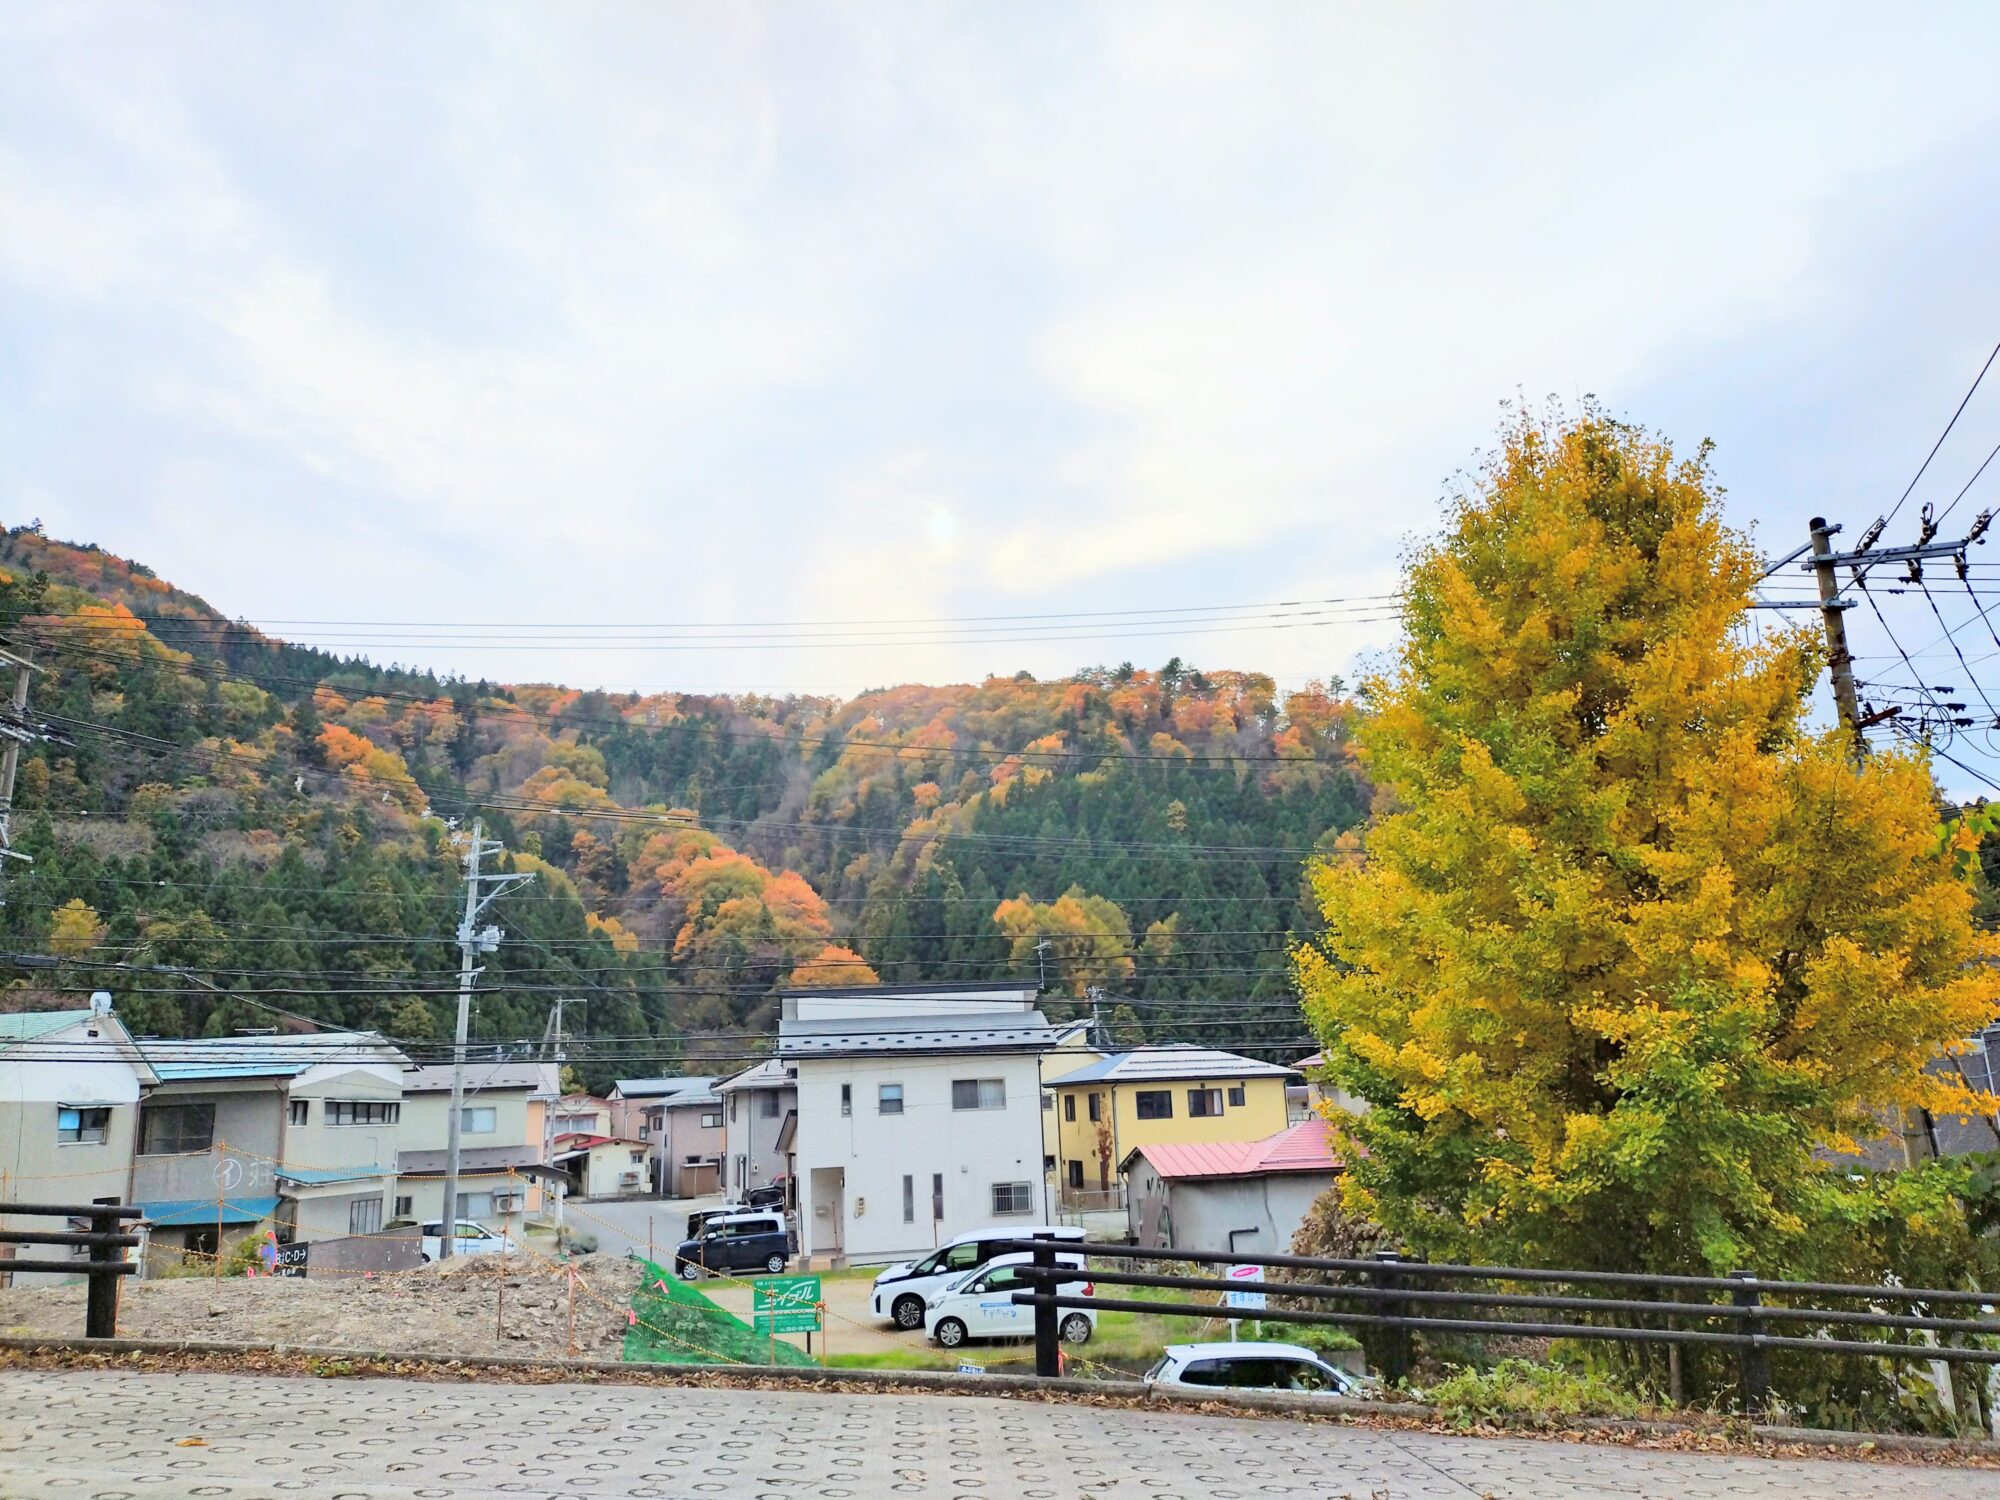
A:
(480, 891)
(1839, 660)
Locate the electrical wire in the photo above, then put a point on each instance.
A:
(1945, 434)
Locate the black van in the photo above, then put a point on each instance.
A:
(736, 1242)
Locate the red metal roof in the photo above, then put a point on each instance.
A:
(1305, 1147)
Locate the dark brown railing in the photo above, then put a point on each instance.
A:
(105, 1265)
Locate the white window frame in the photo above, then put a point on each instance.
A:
(1020, 1192)
(471, 1113)
(81, 1133)
(364, 1216)
(883, 1099)
(988, 1093)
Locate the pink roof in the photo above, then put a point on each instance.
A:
(1306, 1147)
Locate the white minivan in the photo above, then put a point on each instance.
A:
(902, 1290)
(471, 1239)
(981, 1305)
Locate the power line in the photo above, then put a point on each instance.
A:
(1945, 434)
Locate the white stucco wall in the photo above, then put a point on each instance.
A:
(972, 1149)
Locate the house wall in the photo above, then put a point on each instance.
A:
(426, 1126)
(34, 1167)
(1055, 1062)
(682, 1135)
(1199, 1213)
(1261, 1114)
(869, 1153)
(750, 1151)
(244, 1150)
(606, 1168)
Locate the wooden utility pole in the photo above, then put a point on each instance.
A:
(1839, 660)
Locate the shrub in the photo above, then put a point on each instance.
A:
(1516, 1391)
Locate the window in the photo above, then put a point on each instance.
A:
(1012, 1198)
(1204, 1103)
(889, 1099)
(576, 1124)
(732, 1109)
(1154, 1104)
(909, 1199)
(962, 1257)
(363, 1111)
(405, 1206)
(1096, 1106)
(847, 1098)
(770, 1103)
(81, 1127)
(481, 1121)
(1076, 1174)
(979, 1093)
(937, 1198)
(638, 1157)
(475, 1205)
(999, 1279)
(742, 1171)
(364, 1216)
(1069, 1107)
(1235, 1096)
(301, 1111)
(167, 1128)
(1048, 1101)
(712, 1120)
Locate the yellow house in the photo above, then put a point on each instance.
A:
(1175, 1094)
(1071, 1051)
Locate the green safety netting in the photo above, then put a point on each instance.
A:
(677, 1325)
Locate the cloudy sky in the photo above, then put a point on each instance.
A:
(721, 314)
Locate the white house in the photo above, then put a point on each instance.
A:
(919, 1114)
(70, 1082)
(760, 1128)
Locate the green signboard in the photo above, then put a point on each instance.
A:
(785, 1304)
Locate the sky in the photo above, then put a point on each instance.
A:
(1071, 321)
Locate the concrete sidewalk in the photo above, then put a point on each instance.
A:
(240, 1436)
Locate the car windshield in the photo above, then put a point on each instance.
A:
(1159, 1367)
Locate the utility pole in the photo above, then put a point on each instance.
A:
(18, 730)
(1839, 660)
(480, 891)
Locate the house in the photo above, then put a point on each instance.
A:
(1165, 1094)
(1228, 1195)
(298, 1130)
(581, 1114)
(760, 1126)
(503, 1170)
(685, 1132)
(680, 1119)
(1073, 1049)
(70, 1084)
(601, 1166)
(919, 1114)
(1319, 1095)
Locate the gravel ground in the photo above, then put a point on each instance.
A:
(436, 1310)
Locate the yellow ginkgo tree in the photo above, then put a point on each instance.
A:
(1631, 950)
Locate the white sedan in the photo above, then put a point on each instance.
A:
(471, 1239)
(980, 1305)
(1254, 1366)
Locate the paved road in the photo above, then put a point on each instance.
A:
(119, 1434)
(620, 1224)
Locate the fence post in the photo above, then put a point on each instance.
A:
(1754, 1385)
(1047, 1360)
(1395, 1341)
(100, 1309)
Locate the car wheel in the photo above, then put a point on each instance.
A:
(1076, 1329)
(425, 1258)
(687, 1270)
(950, 1333)
(908, 1312)
(774, 1263)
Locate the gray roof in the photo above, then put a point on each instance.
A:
(525, 1160)
(488, 1077)
(1003, 1031)
(768, 1074)
(654, 1088)
(1166, 1063)
(686, 1099)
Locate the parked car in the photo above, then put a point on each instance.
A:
(902, 1290)
(754, 1241)
(767, 1195)
(702, 1215)
(1254, 1366)
(980, 1305)
(469, 1239)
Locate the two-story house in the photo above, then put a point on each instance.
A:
(919, 1114)
(70, 1084)
(760, 1127)
(503, 1162)
(680, 1120)
(1173, 1094)
(297, 1130)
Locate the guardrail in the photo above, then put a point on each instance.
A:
(1393, 1294)
(100, 1312)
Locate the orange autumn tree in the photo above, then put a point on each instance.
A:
(1631, 947)
(833, 965)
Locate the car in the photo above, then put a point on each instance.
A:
(768, 1195)
(902, 1290)
(1253, 1366)
(980, 1305)
(470, 1239)
(754, 1241)
(702, 1215)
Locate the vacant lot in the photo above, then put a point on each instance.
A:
(477, 1305)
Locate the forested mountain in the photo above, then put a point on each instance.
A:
(274, 823)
